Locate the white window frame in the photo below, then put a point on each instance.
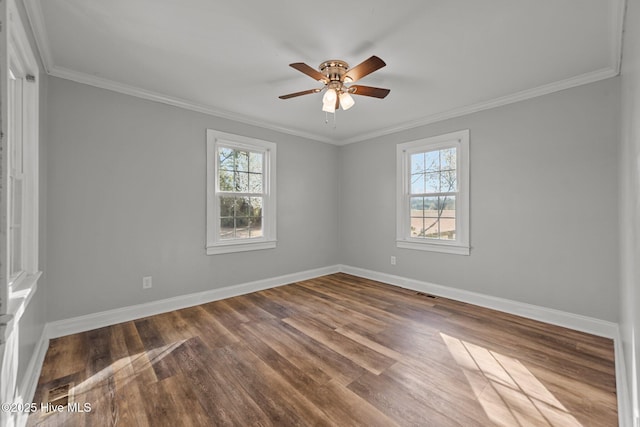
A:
(21, 141)
(19, 158)
(215, 245)
(459, 246)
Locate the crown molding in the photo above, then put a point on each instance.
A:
(582, 79)
(103, 83)
(38, 27)
(618, 15)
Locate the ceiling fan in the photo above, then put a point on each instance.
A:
(336, 74)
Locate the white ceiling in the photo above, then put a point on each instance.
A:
(230, 58)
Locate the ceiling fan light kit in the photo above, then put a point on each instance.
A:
(335, 75)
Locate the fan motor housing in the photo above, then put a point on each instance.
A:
(334, 69)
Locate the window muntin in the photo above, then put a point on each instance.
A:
(433, 196)
(241, 195)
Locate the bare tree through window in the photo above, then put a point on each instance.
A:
(240, 181)
(433, 189)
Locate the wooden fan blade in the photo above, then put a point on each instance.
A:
(311, 72)
(304, 92)
(367, 67)
(375, 92)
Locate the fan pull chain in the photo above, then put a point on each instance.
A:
(326, 119)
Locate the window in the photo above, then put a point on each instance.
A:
(16, 178)
(433, 194)
(241, 203)
(22, 159)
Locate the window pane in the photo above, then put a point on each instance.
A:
(448, 159)
(255, 162)
(227, 229)
(225, 179)
(417, 183)
(256, 229)
(417, 207)
(240, 217)
(227, 220)
(432, 182)
(242, 161)
(448, 181)
(432, 161)
(255, 183)
(241, 182)
(429, 228)
(434, 172)
(417, 163)
(226, 158)
(255, 207)
(431, 207)
(448, 218)
(417, 225)
(244, 207)
(448, 206)
(240, 171)
(255, 219)
(227, 206)
(433, 217)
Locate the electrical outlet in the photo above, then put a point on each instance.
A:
(393, 260)
(147, 282)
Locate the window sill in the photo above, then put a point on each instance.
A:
(231, 247)
(445, 248)
(19, 299)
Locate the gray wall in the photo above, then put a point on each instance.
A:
(544, 202)
(630, 202)
(126, 182)
(126, 199)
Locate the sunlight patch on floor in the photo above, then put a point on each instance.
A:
(126, 368)
(508, 392)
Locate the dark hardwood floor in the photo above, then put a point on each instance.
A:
(336, 351)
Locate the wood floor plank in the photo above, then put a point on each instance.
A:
(330, 308)
(364, 356)
(66, 354)
(335, 350)
(282, 403)
(319, 362)
(398, 403)
(215, 386)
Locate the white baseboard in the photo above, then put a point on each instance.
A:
(32, 375)
(625, 411)
(111, 317)
(548, 315)
(543, 314)
(30, 380)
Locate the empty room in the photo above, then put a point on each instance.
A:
(363, 213)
